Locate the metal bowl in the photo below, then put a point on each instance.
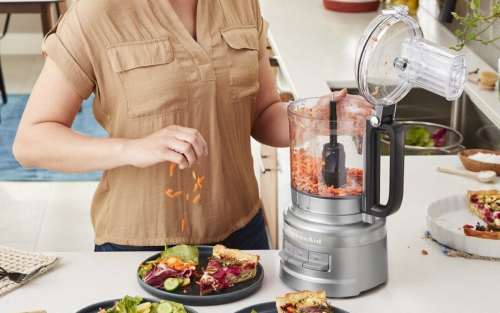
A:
(488, 138)
(452, 145)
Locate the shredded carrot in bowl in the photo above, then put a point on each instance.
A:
(307, 177)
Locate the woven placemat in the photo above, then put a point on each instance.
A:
(456, 254)
(24, 262)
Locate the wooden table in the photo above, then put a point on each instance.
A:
(50, 10)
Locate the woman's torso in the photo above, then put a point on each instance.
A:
(150, 73)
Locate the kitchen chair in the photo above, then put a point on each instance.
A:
(50, 11)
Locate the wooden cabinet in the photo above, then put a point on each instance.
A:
(269, 168)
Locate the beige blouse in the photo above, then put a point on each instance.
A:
(147, 72)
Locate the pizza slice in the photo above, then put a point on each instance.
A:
(486, 205)
(490, 231)
(304, 302)
(227, 267)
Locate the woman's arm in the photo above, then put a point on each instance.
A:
(270, 125)
(45, 138)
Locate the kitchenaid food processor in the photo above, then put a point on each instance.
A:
(334, 235)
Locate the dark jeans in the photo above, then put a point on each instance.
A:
(252, 236)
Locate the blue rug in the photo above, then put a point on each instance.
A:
(11, 170)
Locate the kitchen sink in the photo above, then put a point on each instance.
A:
(425, 106)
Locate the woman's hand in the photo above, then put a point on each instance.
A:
(349, 107)
(181, 145)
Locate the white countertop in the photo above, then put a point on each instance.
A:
(316, 48)
(417, 283)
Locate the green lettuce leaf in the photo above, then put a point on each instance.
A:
(144, 270)
(418, 137)
(185, 252)
(131, 303)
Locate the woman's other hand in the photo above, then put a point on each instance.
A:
(349, 107)
(181, 145)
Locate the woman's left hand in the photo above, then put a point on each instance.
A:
(349, 107)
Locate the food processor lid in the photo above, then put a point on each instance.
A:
(378, 56)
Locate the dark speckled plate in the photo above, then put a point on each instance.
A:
(270, 307)
(94, 308)
(192, 295)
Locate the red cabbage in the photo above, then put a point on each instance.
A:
(439, 137)
(159, 273)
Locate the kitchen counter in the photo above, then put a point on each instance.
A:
(417, 283)
(316, 48)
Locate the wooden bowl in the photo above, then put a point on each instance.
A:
(477, 166)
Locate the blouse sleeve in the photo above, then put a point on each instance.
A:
(68, 45)
(262, 27)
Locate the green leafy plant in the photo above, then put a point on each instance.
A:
(471, 22)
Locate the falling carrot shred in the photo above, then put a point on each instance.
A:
(194, 175)
(197, 198)
(177, 194)
(183, 224)
(187, 196)
(172, 167)
(171, 196)
(170, 190)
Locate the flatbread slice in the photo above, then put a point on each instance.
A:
(486, 232)
(485, 204)
(306, 300)
(226, 268)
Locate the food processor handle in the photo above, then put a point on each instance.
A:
(383, 121)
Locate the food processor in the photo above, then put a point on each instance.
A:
(334, 235)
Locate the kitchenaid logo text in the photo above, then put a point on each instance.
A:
(295, 235)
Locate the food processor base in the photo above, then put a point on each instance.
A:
(351, 271)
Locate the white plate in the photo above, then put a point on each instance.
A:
(445, 219)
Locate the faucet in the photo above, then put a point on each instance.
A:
(449, 6)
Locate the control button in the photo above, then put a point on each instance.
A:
(301, 253)
(288, 248)
(300, 256)
(317, 261)
(296, 261)
(285, 255)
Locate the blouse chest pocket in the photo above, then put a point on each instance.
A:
(153, 81)
(243, 60)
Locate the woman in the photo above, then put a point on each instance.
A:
(173, 81)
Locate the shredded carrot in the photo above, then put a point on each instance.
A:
(197, 198)
(171, 196)
(187, 196)
(170, 190)
(183, 224)
(177, 194)
(194, 175)
(195, 187)
(201, 179)
(307, 177)
(172, 167)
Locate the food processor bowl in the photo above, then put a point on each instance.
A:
(310, 130)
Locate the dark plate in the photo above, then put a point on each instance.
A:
(270, 307)
(94, 308)
(192, 295)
